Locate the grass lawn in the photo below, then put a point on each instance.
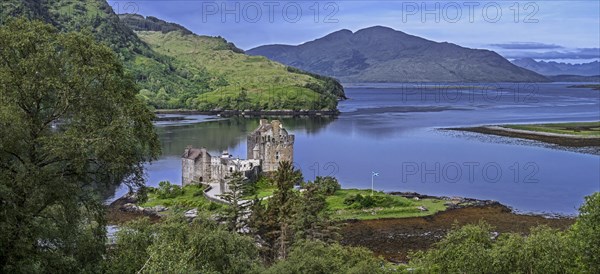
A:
(192, 197)
(261, 189)
(581, 129)
(397, 207)
(386, 206)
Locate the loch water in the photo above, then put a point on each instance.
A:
(397, 131)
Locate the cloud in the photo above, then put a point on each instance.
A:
(579, 53)
(526, 45)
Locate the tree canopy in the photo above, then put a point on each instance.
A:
(70, 126)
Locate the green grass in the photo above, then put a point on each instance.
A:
(175, 70)
(192, 197)
(233, 80)
(400, 208)
(396, 206)
(261, 189)
(581, 129)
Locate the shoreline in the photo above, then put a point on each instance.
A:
(395, 238)
(251, 113)
(120, 210)
(551, 138)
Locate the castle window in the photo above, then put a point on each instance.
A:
(230, 169)
(277, 156)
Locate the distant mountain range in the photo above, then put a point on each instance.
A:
(555, 68)
(382, 54)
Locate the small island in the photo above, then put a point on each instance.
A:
(240, 193)
(576, 134)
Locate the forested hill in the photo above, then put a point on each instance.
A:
(170, 82)
(138, 22)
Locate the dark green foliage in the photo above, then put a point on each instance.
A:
(586, 234)
(253, 187)
(310, 220)
(329, 84)
(290, 215)
(359, 201)
(138, 22)
(141, 194)
(472, 249)
(166, 190)
(327, 185)
(318, 257)
(70, 127)
(234, 213)
(166, 81)
(130, 250)
(176, 246)
(272, 222)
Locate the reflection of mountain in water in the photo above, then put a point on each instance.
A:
(225, 134)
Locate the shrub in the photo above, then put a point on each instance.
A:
(585, 234)
(166, 190)
(327, 185)
(359, 201)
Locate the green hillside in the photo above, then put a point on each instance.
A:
(235, 80)
(203, 73)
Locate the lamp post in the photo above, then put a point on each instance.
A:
(373, 174)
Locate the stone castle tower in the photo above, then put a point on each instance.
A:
(271, 144)
(268, 145)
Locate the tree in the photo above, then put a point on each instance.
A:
(586, 234)
(310, 219)
(328, 185)
(130, 251)
(318, 257)
(238, 208)
(70, 126)
(472, 249)
(176, 246)
(272, 221)
(166, 190)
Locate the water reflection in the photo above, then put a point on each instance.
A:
(392, 129)
(228, 134)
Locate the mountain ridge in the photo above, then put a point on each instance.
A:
(552, 68)
(170, 82)
(382, 54)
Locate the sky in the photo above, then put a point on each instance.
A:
(563, 31)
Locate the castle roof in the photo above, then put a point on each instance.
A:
(192, 153)
(265, 126)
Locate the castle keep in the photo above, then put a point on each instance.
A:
(268, 145)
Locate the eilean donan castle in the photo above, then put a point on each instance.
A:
(268, 145)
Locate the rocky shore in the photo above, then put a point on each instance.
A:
(125, 209)
(393, 239)
(450, 202)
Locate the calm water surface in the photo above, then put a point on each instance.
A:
(394, 129)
